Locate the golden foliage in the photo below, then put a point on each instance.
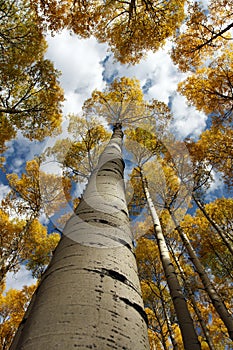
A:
(37, 191)
(22, 241)
(130, 27)
(12, 307)
(212, 250)
(210, 88)
(204, 48)
(30, 96)
(25, 238)
(38, 248)
(206, 31)
(122, 102)
(157, 300)
(79, 153)
(9, 244)
(216, 145)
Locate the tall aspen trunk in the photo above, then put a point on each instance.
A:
(89, 297)
(217, 228)
(167, 320)
(193, 301)
(209, 288)
(189, 336)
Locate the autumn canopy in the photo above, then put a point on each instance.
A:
(171, 209)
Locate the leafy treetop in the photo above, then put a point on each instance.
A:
(123, 102)
(130, 27)
(30, 95)
(206, 31)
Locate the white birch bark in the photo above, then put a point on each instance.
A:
(194, 304)
(189, 336)
(208, 286)
(89, 297)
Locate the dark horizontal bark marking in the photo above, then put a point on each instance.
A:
(115, 275)
(99, 291)
(125, 212)
(117, 163)
(119, 240)
(137, 307)
(102, 221)
(124, 243)
(107, 170)
(89, 210)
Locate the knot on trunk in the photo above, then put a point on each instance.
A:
(117, 126)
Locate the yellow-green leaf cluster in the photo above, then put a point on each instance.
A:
(30, 95)
(212, 250)
(37, 191)
(210, 88)
(123, 102)
(38, 248)
(78, 154)
(23, 241)
(13, 305)
(130, 27)
(205, 32)
(216, 146)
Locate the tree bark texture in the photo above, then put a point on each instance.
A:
(191, 295)
(90, 297)
(216, 300)
(189, 336)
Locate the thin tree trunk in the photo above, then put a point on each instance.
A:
(209, 288)
(214, 225)
(160, 334)
(193, 301)
(89, 297)
(189, 336)
(167, 320)
(221, 259)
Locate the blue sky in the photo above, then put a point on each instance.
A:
(87, 65)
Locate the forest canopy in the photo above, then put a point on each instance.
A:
(178, 191)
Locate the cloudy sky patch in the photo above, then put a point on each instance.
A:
(20, 279)
(187, 120)
(87, 65)
(79, 60)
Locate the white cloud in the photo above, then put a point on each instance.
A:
(79, 60)
(216, 188)
(156, 71)
(17, 163)
(4, 189)
(52, 167)
(187, 120)
(205, 4)
(159, 78)
(86, 65)
(44, 220)
(21, 150)
(20, 279)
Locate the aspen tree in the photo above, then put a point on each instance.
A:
(189, 335)
(191, 295)
(90, 294)
(209, 288)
